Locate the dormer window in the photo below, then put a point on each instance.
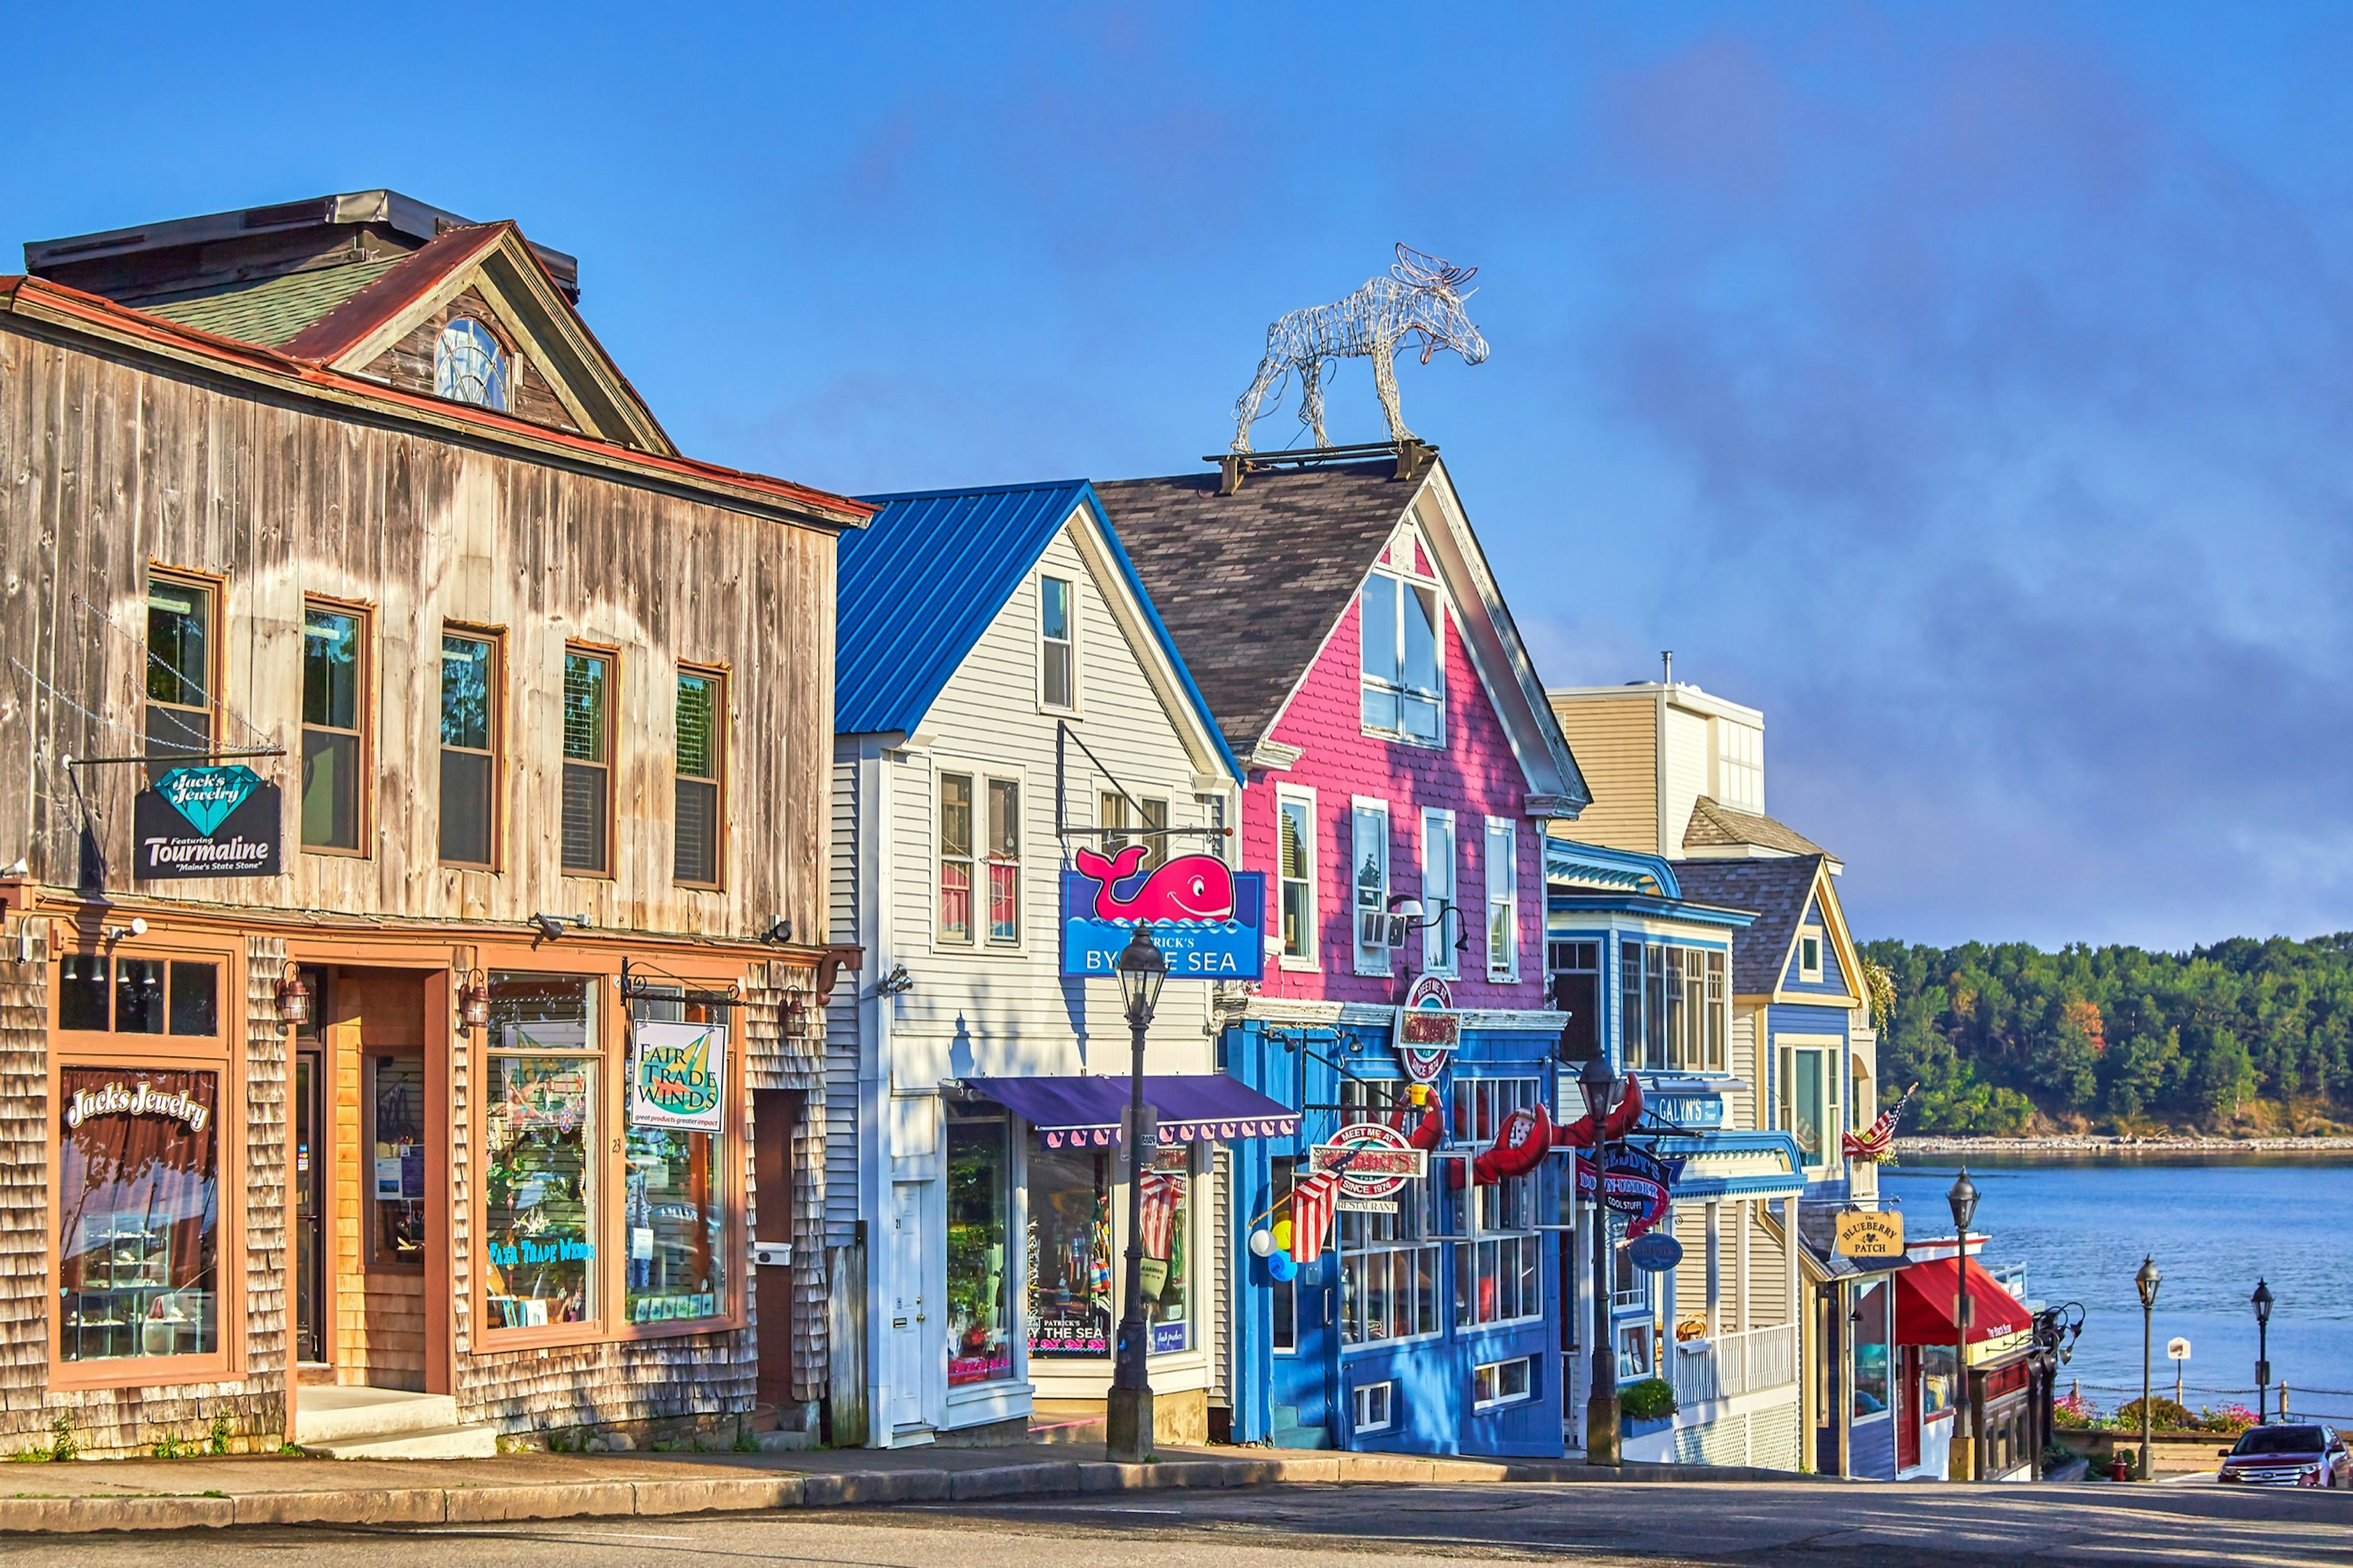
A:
(1403, 698)
(468, 366)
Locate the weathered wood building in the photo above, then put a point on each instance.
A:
(378, 688)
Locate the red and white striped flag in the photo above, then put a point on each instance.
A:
(1159, 1197)
(1312, 1202)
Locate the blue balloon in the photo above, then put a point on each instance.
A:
(1283, 1265)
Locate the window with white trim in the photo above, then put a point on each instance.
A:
(1498, 1275)
(1004, 849)
(1295, 871)
(1501, 1383)
(1739, 766)
(955, 920)
(1388, 1268)
(1404, 696)
(1674, 1001)
(1058, 658)
(1439, 936)
(1503, 899)
(1809, 956)
(1368, 878)
(1375, 1406)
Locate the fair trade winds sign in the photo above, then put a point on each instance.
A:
(206, 822)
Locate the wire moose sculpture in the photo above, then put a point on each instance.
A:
(1422, 296)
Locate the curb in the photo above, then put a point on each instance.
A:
(848, 1489)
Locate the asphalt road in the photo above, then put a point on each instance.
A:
(1823, 1526)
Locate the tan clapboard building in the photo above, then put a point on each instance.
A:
(319, 1119)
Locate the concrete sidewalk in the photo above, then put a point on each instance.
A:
(178, 1494)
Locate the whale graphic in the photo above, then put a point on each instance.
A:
(1189, 887)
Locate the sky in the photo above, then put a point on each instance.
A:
(1967, 387)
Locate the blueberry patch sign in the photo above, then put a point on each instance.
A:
(206, 822)
(678, 1076)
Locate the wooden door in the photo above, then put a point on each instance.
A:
(775, 1118)
(1907, 1394)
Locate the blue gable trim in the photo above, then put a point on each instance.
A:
(1569, 861)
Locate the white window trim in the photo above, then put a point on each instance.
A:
(1809, 974)
(1312, 961)
(1385, 965)
(1437, 954)
(1357, 1399)
(1508, 974)
(980, 775)
(1038, 640)
(1406, 581)
(1834, 1066)
(1502, 1403)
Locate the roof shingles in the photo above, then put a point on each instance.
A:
(1775, 890)
(274, 311)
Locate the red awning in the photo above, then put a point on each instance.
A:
(1923, 1305)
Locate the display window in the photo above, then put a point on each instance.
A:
(395, 1140)
(1167, 1213)
(677, 1265)
(979, 1198)
(540, 1121)
(1070, 1251)
(1873, 1321)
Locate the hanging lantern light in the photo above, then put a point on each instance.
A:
(473, 1005)
(294, 999)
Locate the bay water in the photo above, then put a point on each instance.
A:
(2215, 1224)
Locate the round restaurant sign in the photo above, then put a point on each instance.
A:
(1374, 1160)
(1655, 1253)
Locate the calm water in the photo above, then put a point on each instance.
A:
(2214, 1225)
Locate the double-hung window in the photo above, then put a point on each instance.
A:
(1503, 899)
(1672, 1003)
(334, 705)
(1404, 699)
(1368, 856)
(1388, 1264)
(1497, 1273)
(587, 762)
(1057, 684)
(955, 858)
(1633, 1049)
(1004, 847)
(695, 856)
(1295, 868)
(1119, 814)
(181, 622)
(471, 703)
(1439, 936)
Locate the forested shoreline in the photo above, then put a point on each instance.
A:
(2007, 1039)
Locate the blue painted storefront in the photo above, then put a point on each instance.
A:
(1304, 1396)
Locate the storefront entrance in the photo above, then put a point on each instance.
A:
(310, 1214)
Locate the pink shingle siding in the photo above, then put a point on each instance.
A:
(1474, 774)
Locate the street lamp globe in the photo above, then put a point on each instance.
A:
(1963, 1200)
(1600, 1085)
(2147, 1282)
(2263, 1302)
(1141, 971)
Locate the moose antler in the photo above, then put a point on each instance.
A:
(1426, 272)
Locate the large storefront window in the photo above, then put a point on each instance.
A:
(980, 1314)
(677, 1227)
(1168, 1206)
(1388, 1271)
(540, 1139)
(1497, 1275)
(1070, 1251)
(1871, 1337)
(138, 1206)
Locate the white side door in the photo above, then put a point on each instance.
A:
(910, 1313)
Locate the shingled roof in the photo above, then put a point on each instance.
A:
(1208, 559)
(275, 310)
(1712, 823)
(1775, 890)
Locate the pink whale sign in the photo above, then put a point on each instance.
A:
(1207, 919)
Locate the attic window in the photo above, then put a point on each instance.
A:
(1401, 623)
(468, 366)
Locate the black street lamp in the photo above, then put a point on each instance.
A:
(1127, 1425)
(2263, 1304)
(2145, 1283)
(1963, 1201)
(1602, 1088)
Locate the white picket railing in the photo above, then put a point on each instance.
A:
(1735, 1364)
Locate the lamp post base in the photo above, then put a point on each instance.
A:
(1127, 1426)
(1602, 1428)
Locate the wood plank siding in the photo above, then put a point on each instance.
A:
(408, 364)
(1615, 739)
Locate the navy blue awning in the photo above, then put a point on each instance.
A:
(1085, 1108)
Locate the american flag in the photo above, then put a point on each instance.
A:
(1312, 1202)
(1159, 1197)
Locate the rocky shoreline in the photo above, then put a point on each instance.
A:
(2089, 1143)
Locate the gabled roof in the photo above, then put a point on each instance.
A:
(1779, 890)
(58, 307)
(273, 311)
(918, 586)
(1712, 823)
(1254, 583)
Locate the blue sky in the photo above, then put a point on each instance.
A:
(1968, 389)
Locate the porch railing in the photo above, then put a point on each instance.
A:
(1731, 1364)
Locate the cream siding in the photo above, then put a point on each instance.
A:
(1686, 775)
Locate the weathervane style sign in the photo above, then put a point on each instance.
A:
(1421, 296)
(1207, 920)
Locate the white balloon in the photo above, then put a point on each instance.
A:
(1261, 1242)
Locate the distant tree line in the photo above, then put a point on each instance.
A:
(2008, 1039)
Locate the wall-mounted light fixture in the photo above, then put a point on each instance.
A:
(897, 981)
(138, 927)
(294, 999)
(779, 931)
(473, 1004)
(552, 926)
(1407, 915)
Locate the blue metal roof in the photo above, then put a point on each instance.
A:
(918, 585)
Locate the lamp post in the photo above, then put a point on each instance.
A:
(2145, 1283)
(2262, 1300)
(1963, 1201)
(1602, 1088)
(1127, 1425)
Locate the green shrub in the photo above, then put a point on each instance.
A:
(2164, 1415)
(1652, 1399)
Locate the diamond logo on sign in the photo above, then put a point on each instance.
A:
(206, 796)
